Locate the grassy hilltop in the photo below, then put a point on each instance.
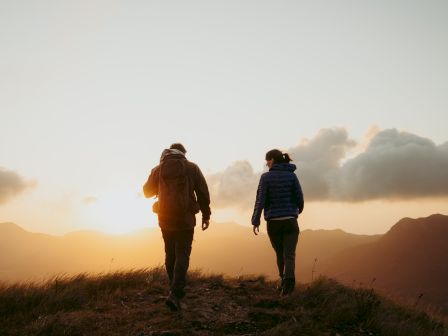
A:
(132, 303)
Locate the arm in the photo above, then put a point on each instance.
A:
(298, 194)
(202, 194)
(259, 201)
(151, 187)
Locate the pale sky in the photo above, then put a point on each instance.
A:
(92, 91)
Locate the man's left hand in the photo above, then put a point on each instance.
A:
(205, 224)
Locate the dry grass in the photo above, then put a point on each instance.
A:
(132, 303)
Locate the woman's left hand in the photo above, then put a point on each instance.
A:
(256, 230)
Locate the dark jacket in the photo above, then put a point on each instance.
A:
(199, 192)
(279, 193)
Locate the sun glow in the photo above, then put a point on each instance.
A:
(119, 212)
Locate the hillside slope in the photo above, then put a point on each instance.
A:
(133, 304)
(408, 261)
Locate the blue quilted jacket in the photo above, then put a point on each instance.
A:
(279, 193)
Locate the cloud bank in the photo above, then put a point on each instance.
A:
(11, 185)
(394, 165)
(319, 159)
(234, 185)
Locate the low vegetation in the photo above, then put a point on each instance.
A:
(132, 303)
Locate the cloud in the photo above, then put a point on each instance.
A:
(392, 165)
(234, 186)
(11, 185)
(396, 165)
(320, 156)
(319, 160)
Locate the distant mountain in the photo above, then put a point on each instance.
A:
(409, 260)
(317, 245)
(26, 256)
(224, 248)
(234, 249)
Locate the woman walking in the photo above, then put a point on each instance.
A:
(280, 195)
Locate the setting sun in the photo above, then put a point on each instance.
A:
(119, 211)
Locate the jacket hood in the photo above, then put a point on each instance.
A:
(168, 152)
(283, 167)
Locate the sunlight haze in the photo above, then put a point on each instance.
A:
(91, 92)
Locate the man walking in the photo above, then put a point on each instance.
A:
(182, 191)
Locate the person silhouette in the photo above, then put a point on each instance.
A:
(182, 191)
(280, 195)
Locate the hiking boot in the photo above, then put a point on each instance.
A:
(288, 286)
(173, 303)
(279, 286)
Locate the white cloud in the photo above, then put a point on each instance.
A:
(235, 186)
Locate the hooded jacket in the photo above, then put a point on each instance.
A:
(279, 194)
(198, 191)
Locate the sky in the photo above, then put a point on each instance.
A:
(91, 92)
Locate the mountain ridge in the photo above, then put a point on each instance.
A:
(409, 261)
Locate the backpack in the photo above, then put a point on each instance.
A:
(174, 188)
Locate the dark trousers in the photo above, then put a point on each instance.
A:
(177, 258)
(284, 235)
